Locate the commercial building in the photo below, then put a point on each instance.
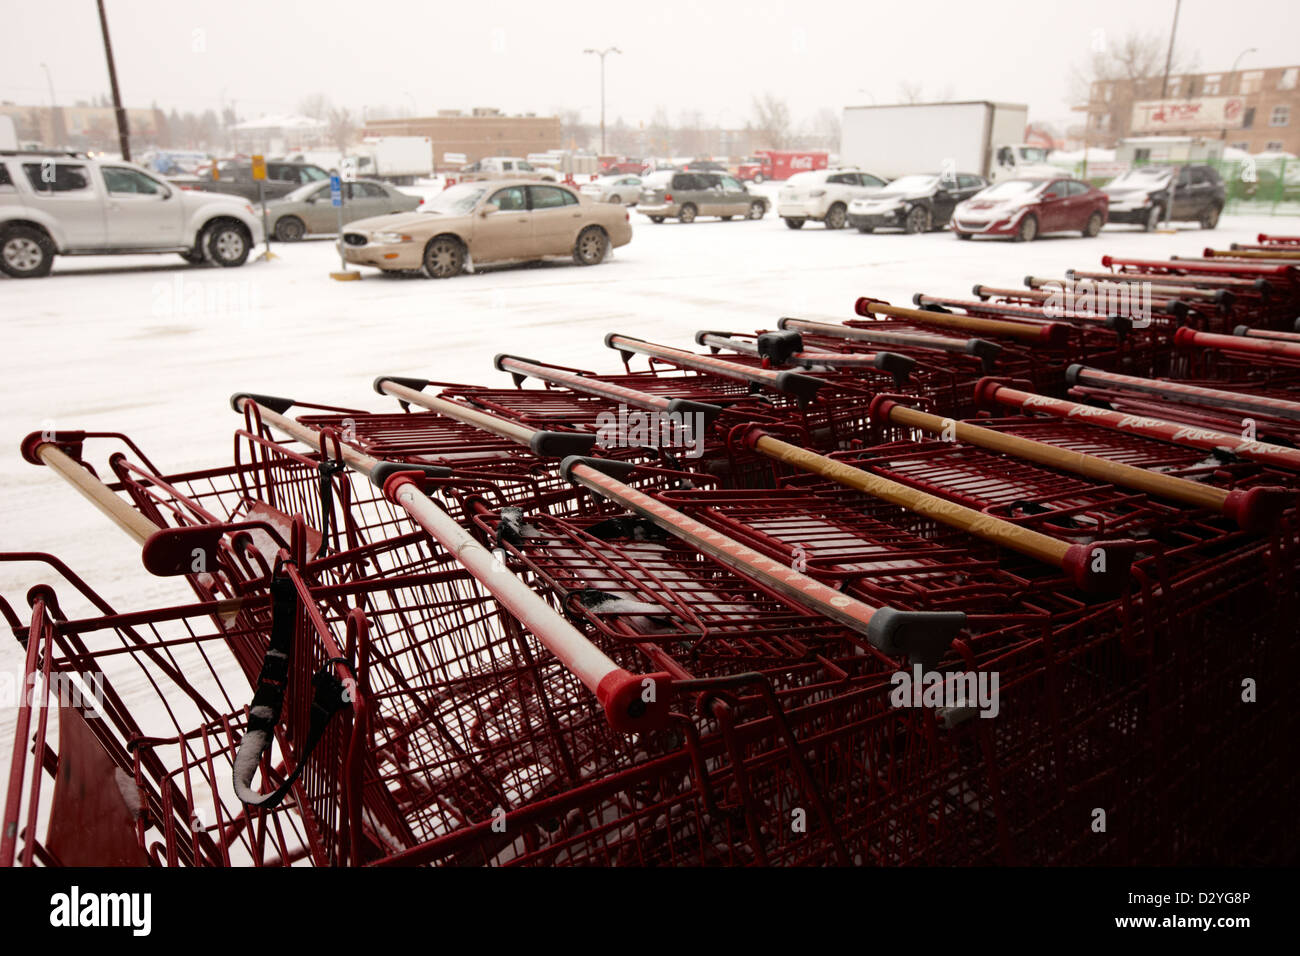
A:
(1255, 110)
(474, 135)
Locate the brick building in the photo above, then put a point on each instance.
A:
(1254, 110)
(480, 133)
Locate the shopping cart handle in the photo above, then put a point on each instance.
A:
(920, 636)
(273, 402)
(606, 466)
(194, 549)
(779, 346)
(381, 472)
(561, 444)
(417, 384)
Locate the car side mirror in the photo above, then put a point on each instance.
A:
(488, 208)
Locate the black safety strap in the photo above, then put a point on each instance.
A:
(272, 682)
(326, 471)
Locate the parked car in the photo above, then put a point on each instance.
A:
(824, 195)
(1025, 209)
(1141, 195)
(235, 178)
(308, 209)
(914, 203)
(622, 190)
(68, 204)
(509, 221)
(673, 194)
(704, 166)
(505, 167)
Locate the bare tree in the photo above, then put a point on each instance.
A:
(910, 91)
(1120, 73)
(823, 130)
(317, 106)
(342, 127)
(574, 133)
(771, 121)
(659, 132)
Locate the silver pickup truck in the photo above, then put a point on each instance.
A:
(68, 204)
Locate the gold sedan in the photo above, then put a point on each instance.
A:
(475, 223)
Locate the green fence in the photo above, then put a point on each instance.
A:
(1258, 187)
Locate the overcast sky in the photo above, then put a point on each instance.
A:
(267, 56)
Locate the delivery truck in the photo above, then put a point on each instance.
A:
(400, 160)
(780, 164)
(971, 137)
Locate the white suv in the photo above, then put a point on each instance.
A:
(824, 195)
(70, 205)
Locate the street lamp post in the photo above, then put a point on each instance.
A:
(1238, 60)
(54, 118)
(602, 54)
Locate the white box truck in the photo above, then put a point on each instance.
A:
(398, 159)
(970, 137)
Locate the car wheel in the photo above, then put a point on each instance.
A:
(1093, 227)
(758, 178)
(1153, 219)
(757, 210)
(1028, 230)
(615, 199)
(25, 253)
(1210, 218)
(963, 235)
(444, 257)
(591, 247)
(687, 214)
(866, 229)
(794, 223)
(726, 218)
(656, 219)
(918, 220)
(836, 216)
(226, 243)
(289, 229)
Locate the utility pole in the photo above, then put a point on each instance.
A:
(123, 132)
(1169, 57)
(601, 54)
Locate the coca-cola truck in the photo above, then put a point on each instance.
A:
(781, 163)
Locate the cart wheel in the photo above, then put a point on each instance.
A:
(226, 243)
(591, 247)
(1093, 227)
(289, 229)
(1028, 230)
(26, 253)
(836, 216)
(444, 257)
(687, 213)
(757, 210)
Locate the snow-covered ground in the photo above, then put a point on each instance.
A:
(152, 347)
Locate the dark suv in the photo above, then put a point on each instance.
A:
(236, 179)
(1141, 195)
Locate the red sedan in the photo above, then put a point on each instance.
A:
(1025, 209)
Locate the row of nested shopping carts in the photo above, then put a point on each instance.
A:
(977, 580)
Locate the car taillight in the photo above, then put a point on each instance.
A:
(421, 202)
(627, 216)
(668, 197)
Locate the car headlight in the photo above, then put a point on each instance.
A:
(389, 238)
(817, 193)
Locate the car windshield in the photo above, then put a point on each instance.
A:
(804, 179)
(1012, 188)
(1033, 154)
(455, 200)
(1143, 177)
(302, 193)
(910, 185)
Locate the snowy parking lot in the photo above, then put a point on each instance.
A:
(153, 347)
